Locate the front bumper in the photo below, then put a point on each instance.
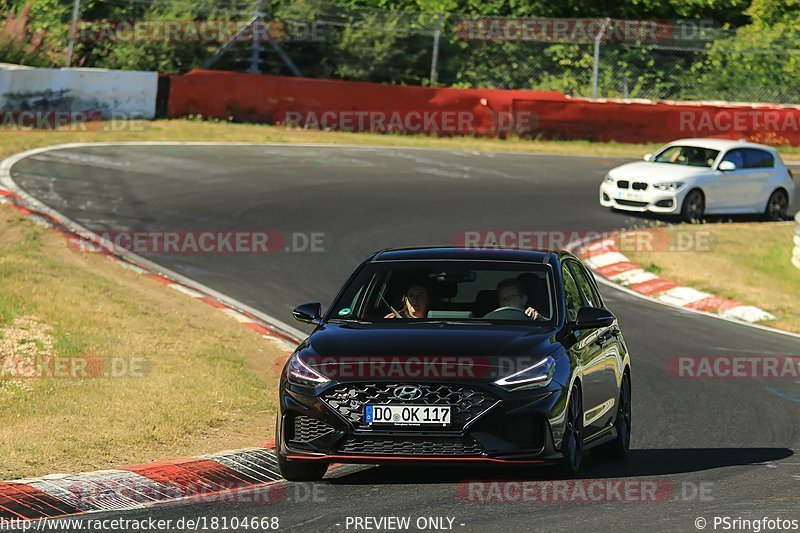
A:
(653, 200)
(497, 427)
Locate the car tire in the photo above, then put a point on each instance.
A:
(618, 448)
(300, 471)
(777, 206)
(694, 207)
(572, 441)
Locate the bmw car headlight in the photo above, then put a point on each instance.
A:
(671, 186)
(299, 373)
(538, 375)
(608, 179)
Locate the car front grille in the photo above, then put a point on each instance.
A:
(639, 186)
(428, 446)
(467, 403)
(630, 203)
(623, 184)
(307, 429)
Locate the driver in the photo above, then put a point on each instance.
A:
(416, 301)
(511, 293)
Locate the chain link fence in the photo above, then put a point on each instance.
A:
(606, 58)
(650, 59)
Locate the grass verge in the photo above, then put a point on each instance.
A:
(201, 382)
(750, 263)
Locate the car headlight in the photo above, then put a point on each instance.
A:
(671, 186)
(538, 375)
(299, 373)
(608, 179)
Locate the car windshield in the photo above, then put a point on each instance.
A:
(693, 156)
(468, 291)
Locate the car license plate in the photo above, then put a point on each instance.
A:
(410, 415)
(624, 195)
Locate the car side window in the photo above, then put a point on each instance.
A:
(590, 296)
(754, 158)
(572, 294)
(736, 157)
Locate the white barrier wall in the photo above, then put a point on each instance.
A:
(113, 93)
(796, 253)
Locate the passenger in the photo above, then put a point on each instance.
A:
(696, 157)
(415, 304)
(511, 293)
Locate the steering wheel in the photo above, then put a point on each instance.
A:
(507, 313)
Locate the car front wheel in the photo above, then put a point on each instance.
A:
(572, 443)
(694, 206)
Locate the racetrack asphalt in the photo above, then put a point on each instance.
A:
(725, 447)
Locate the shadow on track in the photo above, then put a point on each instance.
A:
(640, 463)
(707, 219)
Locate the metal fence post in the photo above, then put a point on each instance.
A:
(596, 66)
(76, 6)
(255, 44)
(437, 34)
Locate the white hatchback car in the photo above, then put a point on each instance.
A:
(694, 177)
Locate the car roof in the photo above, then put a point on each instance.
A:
(719, 144)
(454, 253)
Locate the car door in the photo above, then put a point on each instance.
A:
(606, 353)
(742, 187)
(762, 165)
(725, 189)
(586, 351)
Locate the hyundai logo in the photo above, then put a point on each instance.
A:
(407, 392)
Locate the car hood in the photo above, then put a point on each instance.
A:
(480, 346)
(656, 172)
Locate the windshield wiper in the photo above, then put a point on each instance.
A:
(452, 322)
(348, 321)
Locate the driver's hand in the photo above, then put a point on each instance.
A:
(531, 312)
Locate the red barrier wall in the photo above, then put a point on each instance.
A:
(358, 106)
(636, 122)
(304, 102)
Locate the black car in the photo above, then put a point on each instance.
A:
(455, 354)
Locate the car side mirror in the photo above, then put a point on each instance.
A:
(593, 318)
(648, 157)
(727, 166)
(309, 313)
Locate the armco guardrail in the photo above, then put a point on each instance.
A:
(796, 252)
(360, 106)
(110, 93)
